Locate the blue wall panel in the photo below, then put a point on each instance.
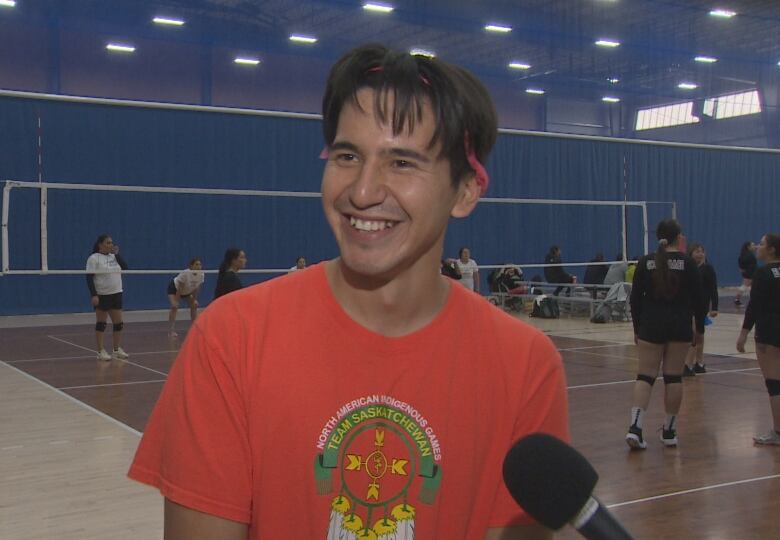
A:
(724, 196)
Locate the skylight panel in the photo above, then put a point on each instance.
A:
(676, 114)
(731, 105)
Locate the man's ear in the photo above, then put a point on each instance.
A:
(469, 193)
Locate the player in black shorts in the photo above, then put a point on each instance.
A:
(763, 311)
(694, 362)
(666, 295)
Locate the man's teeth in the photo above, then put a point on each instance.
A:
(364, 225)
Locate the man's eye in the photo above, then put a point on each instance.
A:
(402, 164)
(346, 157)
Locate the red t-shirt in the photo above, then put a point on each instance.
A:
(282, 412)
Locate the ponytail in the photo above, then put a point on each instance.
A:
(665, 283)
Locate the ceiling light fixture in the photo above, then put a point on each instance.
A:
(536, 91)
(687, 86)
(422, 52)
(706, 59)
(610, 99)
(297, 38)
(498, 28)
(613, 80)
(168, 21)
(611, 43)
(379, 8)
(120, 47)
(519, 65)
(723, 13)
(246, 60)
(8, 3)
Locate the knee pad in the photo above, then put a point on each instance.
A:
(672, 379)
(646, 378)
(773, 387)
(118, 326)
(100, 327)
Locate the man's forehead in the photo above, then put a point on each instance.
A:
(416, 129)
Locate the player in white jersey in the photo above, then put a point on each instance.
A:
(186, 285)
(104, 281)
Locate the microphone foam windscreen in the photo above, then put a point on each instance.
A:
(548, 478)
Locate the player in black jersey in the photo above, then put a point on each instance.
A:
(665, 296)
(747, 266)
(694, 362)
(763, 311)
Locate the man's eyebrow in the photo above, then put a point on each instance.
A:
(408, 153)
(344, 145)
(394, 152)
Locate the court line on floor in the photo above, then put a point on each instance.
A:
(110, 384)
(710, 372)
(594, 347)
(119, 359)
(27, 360)
(55, 338)
(694, 490)
(74, 400)
(740, 371)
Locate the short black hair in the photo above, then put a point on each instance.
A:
(460, 103)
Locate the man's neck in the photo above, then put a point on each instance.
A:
(395, 308)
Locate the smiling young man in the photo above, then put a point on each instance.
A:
(344, 400)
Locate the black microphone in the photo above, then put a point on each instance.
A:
(554, 484)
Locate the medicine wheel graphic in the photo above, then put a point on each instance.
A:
(378, 465)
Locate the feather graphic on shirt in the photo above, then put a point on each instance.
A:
(339, 508)
(386, 529)
(404, 517)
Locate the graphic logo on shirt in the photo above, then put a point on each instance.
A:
(383, 456)
(776, 272)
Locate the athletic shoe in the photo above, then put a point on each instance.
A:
(103, 355)
(172, 334)
(737, 302)
(688, 372)
(699, 368)
(769, 438)
(669, 437)
(634, 438)
(120, 354)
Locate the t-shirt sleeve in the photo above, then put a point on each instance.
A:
(92, 264)
(543, 409)
(195, 449)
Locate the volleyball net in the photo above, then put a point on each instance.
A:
(48, 228)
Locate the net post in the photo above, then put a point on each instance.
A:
(44, 229)
(623, 231)
(645, 228)
(6, 201)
